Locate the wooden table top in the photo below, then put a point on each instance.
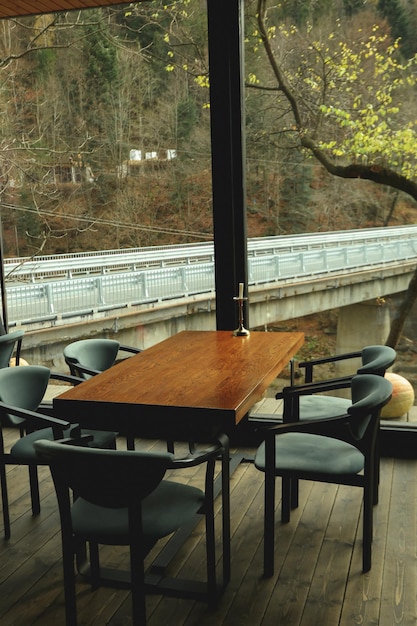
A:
(194, 376)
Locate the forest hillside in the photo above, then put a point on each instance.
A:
(105, 139)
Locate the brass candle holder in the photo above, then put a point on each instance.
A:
(241, 331)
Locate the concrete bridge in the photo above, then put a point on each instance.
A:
(361, 273)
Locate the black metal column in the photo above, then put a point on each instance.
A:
(225, 34)
(4, 322)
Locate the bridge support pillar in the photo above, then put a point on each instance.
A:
(360, 325)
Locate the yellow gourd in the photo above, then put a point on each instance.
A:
(402, 397)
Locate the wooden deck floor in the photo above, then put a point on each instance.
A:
(318, 578)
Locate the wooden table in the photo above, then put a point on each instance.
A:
(194, 384)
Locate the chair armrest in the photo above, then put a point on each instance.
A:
(291, 395)
(309, 365)
(197, 457)
(68, 378)
(73, 364)
(76, 439)
(130, 349)
(45, 406)
(330, 426)
(330, 359)
(311, 388)
(317, 427)
(34, 418)
(18, 349)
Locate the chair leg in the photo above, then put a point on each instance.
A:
(367, 526)
(377, 471)
(94, 565)
(130, 442)
(294, 493)
(137, 573)
(286, 499)
(269, 524)
(5, 502)
(34, 489)
(225, 461)
(210, 554)
(69, 582)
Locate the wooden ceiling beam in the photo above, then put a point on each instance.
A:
(16, 8)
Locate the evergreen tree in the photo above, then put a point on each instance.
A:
(401, 26)
(100, 71)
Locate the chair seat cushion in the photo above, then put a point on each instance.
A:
(165, 510)
(24, 452)
(302, 452)
(317, 406)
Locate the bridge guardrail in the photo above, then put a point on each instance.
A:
(28, 303)
(77, 296)
(104, 262)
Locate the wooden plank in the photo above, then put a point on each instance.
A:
(266, 409)
(363, 591)
(246, 545)
(287, 605)
(328, 585)
(399, 588)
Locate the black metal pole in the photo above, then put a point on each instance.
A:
(225, 38)
(4, 328)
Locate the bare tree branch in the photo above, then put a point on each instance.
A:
(373, 172)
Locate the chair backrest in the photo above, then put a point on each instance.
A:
(8, 343)
(22, 387)
(370, 393)
(94, 354)
(377, 359)
(109, 478)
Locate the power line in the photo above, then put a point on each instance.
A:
(105, 222)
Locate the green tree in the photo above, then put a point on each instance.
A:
(398, 17)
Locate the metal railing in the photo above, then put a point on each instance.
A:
(131, 259)
(85, 283)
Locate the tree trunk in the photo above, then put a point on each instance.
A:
(402, 312)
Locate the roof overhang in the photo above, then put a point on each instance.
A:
(15, 8)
